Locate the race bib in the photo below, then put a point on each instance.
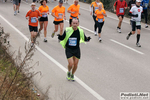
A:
(96, 8)
(60, 15)
(100, 20)
(45, 15)
(121, 10)
(146, 5)
(74, 17)
(33, 20)
(72, 41)
(138, 23)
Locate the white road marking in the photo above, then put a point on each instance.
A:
(126, 46)
(95, 94)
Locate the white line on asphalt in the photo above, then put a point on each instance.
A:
(95, 94)
(126, 46)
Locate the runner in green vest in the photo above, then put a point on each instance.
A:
(71, 40)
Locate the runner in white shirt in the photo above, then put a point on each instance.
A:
(136, 13)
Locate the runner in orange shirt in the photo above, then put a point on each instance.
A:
(32, 15)
(59, 15)
(93, 8)
(74, 11)
(44, 10)
(100, 14)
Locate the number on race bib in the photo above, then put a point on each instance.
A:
(45, 15)
(33, 20)
(96, 8)
(100, 20)
(60, 15)
(138, 23)
(146, 5)
(121, 10)
(72, 41)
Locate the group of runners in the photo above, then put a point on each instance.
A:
(72, 36)
(69, 39)
(138, 9)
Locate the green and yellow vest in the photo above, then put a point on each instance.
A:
(69, 32)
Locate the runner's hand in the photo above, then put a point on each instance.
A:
(88, 38)
(91, 13)
(27, 18)
(36, 19)
(73, 12)
(103, 13)
(114, 10)
(136, 15)
(57, 17)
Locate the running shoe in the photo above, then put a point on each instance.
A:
(146, 26)
(15, 13)
(18, 11)
(72, 77)
(100, 40)
(119, 30)
(127, 37)
(53, 34)
(45, 40)
(95, 33)
(68, 76)
(138, 45)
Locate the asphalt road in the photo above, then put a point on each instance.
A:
(105, 69)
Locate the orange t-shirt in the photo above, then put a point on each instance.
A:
(74, 8)
(33, 15)
(44, 10)
(95, 5)
(59, 12)
(100, 16)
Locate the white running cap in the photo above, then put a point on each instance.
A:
(138, 0)
(33, 4)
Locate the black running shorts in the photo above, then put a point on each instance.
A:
(58, 22)
(41, 19)
(134, 26)
(16, 2)
(121, 16)
(72, 52)
(32, 28)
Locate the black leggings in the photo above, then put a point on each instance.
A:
(99, 25)
(145, 15)
(95, 25)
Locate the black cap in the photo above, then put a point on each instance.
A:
(60, 1)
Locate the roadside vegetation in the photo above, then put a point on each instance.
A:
(15, 75)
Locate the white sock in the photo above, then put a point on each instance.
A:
(45, 38)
